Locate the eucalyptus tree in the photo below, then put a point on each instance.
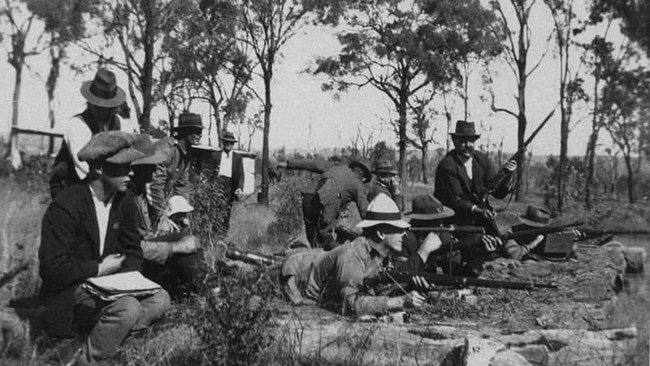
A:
(137, 27)
(517, 44)
(403, 49)
(64, 24)
(21, 39)
(207, 63)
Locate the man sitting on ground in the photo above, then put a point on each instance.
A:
(90, 230)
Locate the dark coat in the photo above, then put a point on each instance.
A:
(236, 175)
(454, 189)
(171, 177)
(336, 186)
(69, 251)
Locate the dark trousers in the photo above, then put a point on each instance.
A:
(178, 275)
(318, 234)
(225, 193)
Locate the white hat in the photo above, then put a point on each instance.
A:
(383, 210)
(178, 204)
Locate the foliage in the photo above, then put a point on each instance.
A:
(635, 16)
(405, 52)
(288, 221)
(236, 325)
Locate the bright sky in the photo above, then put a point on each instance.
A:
(304, 117)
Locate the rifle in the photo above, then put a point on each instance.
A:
(482, 199)
(540, 231)
(601, 232)
(451, 229)
(251, 258)
(452, 281)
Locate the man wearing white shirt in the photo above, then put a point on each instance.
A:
(228, 171)
(104, 102)
(91, 230)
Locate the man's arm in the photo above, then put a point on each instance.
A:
(182, 185)
(315, 166)
(57, 264)
(76, 136)
(157, 187)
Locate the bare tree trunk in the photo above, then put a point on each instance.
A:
(522, 122)
(13, 135)
(590, 156)
(147, 69)
(425, 162)
(401, 110)
(264, 194)
(52, 79)
(630, 177)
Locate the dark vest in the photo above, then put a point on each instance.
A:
(63, 171)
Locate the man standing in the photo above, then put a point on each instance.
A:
(172, 176)
(386, 181)
(104, 102)
(322, 202)
(228, 171)
(464, 174)
(91, 230)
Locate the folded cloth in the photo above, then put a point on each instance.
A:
(115, 286)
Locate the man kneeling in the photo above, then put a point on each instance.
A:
(90, 230)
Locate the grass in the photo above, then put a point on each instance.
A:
(185, 335)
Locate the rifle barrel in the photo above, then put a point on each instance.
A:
(599, 232)
(249, 257)
(540, 231)
(451, 230)
(461, 282)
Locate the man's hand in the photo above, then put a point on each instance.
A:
(187, 245)
(579, 234)
(510, 166)
(110, 264)
(413, 300)
(535, 242)
(421, 283)
(165, 225)
(429, 245)
(395, 184)
(491, 243)
(484, 213)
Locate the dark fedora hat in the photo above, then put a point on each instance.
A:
(383, 166)
(228, 136)
(427, 207)
(103, 91)
(536, 216)
(367, 175)
(465, 129)
(189, 120)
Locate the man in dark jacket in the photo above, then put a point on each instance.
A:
(171, 177)
(91, 230)
(464, 173)
(386, 181)
(322, 202)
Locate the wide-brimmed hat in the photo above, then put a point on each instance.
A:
(536, 216)
(153, 151)
(383, 210)
(103, 91)
(384, 167)
(113, 146)
(189, 120)
(465, 129)
(228, 136)
(367, 175)
(427, 207)
(178, 204)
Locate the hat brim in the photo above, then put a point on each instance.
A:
(125, 156)
(228, 140)
(367, 175)
(155, 158)
(446, 212)
(525, 221)
(116, 101)
(384, 171)
(475, 137)
(397, 223)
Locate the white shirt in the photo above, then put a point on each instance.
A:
(76, 135)
(225, 169)
(102, 211)
(468, 168)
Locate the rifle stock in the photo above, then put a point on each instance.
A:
(453, 281)
(251, 258)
